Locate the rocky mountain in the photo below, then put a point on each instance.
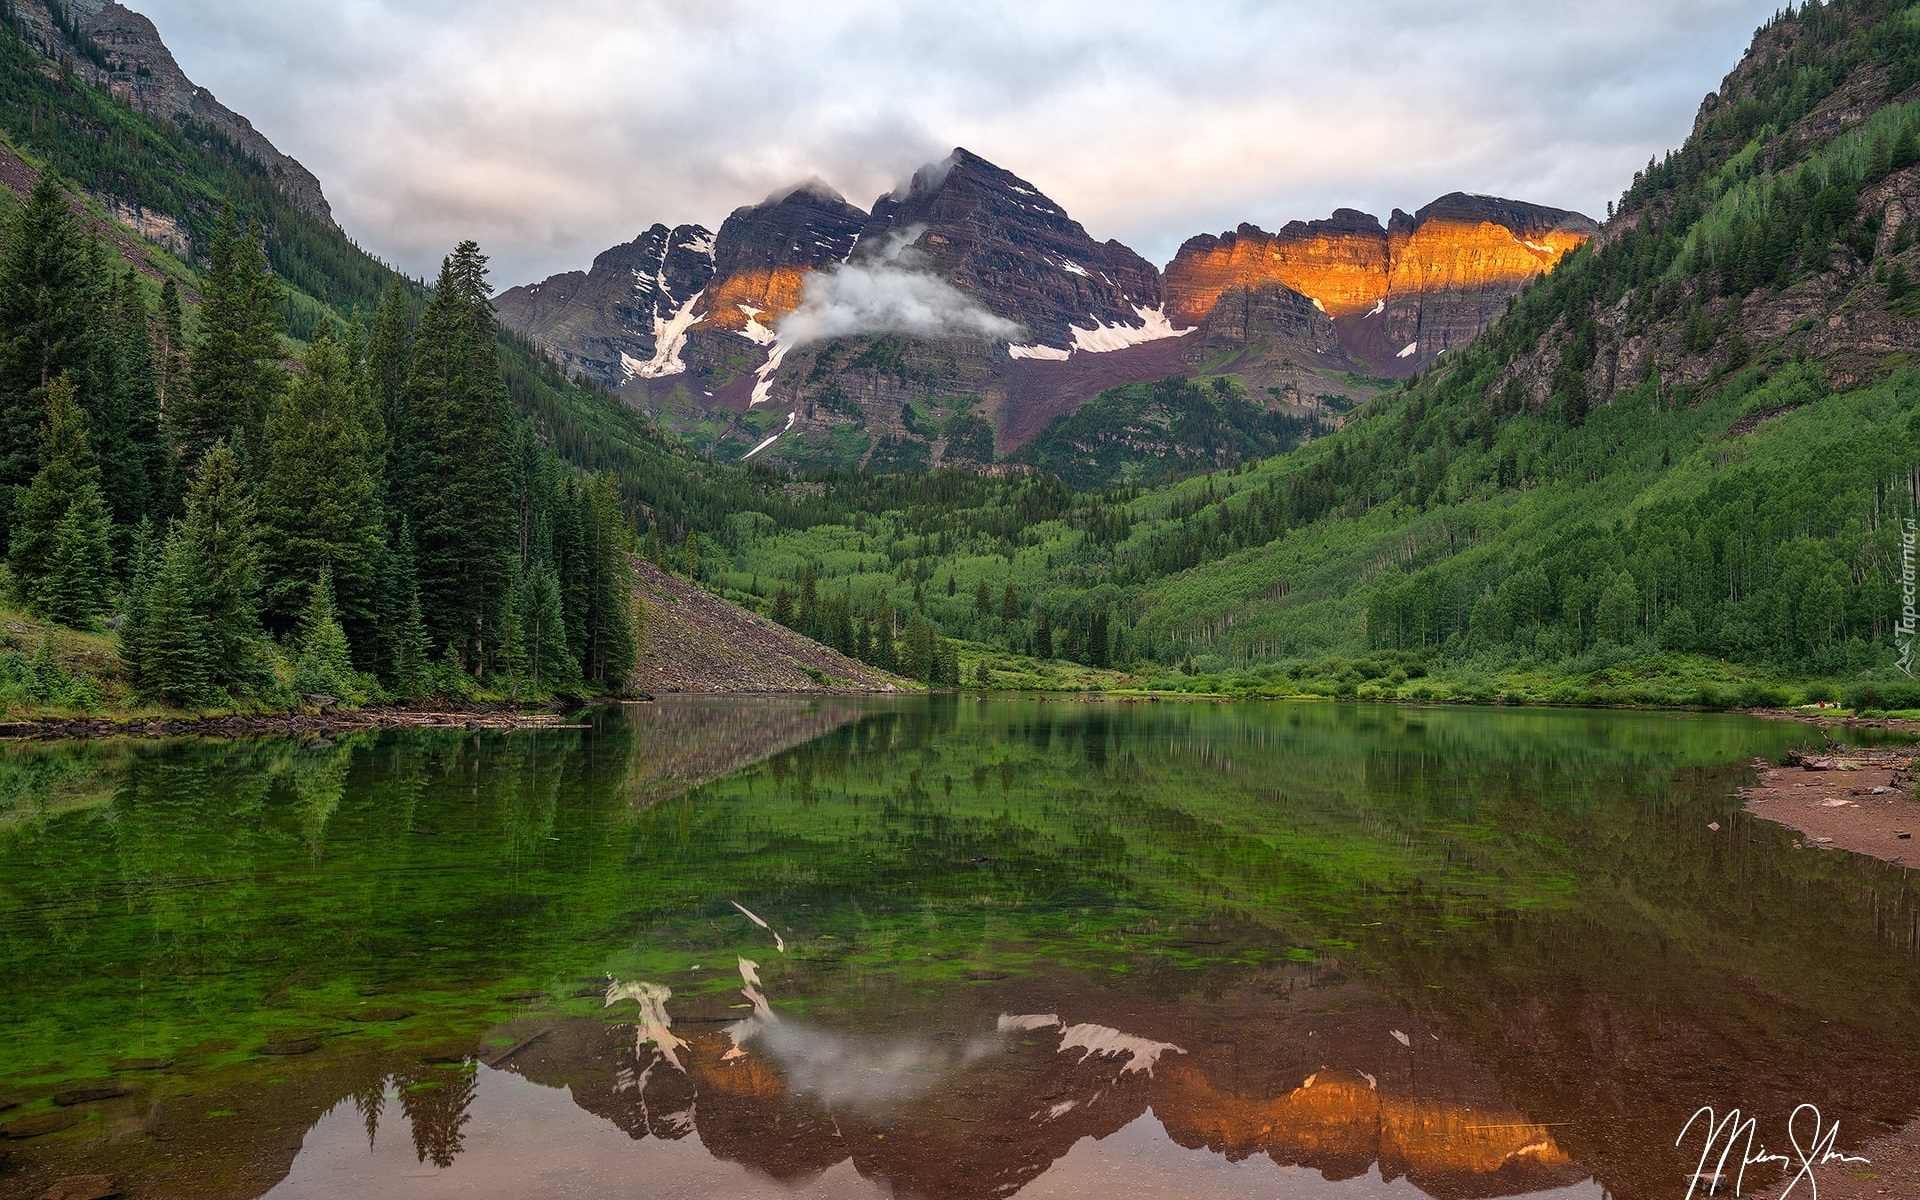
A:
(116, 50)
(610, 321)
(960, 315)
(1397, 295)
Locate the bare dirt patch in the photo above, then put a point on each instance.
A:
(1858, 800)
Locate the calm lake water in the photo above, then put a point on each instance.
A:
(943, 947)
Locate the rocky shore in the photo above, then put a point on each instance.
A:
(1846, 799)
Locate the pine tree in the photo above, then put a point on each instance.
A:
(691, 556)
(548, 662)
(886, 654)
(982, 600)
(145, 556)
(60, 552)
(325, 666)
(389, 360)
(150, 463)
(783, 606)
(808, 617)
(319, 502)
(52, 309)
(610, 606)
(170, 656)
(233, 375)
(220, 541)
(76, 589)
(510, 657)
(1009, 605)
(453, 449)
(1042, 636)
(170, 350)
(1099, 642)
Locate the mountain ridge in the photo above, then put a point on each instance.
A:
(706, 364)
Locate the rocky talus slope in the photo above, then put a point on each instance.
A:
(694, 641)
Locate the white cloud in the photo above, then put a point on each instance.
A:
(551, 131)
(890, 288)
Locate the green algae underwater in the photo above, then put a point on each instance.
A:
(937, 946)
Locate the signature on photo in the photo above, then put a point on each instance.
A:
(1733, 1137)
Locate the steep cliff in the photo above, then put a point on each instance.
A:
(118, 51)
(1400, 294)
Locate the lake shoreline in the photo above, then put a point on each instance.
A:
(283, 724)
(1861, 800)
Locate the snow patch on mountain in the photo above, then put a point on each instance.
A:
(791, 417)
(669, 339)
(1104, 339)
(1046, 353)
(763, 390)
(755, 332)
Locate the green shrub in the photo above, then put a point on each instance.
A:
(1882, 695)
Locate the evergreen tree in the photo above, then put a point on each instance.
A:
(407, 658)
(510, 657)
(610, 613)
(982, 600)
(1009, 605)
(75, 591)
(453, 449)
(389, 360)
(1042, 636)
(692, 556)
(233, 375)
(886, 653)
(149, 470)
(325, 665)
(170, 350)
(319, 501)
(549, 664)
(168, 651)
(51, 324)
(220, 541)
(145, 557)
(783, 606)
(60, 552)
(1099, 642)
(808, 618)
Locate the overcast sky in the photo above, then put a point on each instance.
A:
(551, 130)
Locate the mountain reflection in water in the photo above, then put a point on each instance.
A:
(934, 947)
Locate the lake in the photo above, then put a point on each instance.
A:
(940, 946)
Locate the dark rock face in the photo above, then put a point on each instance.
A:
(607, 321)
(998, 239)
(142, 72)
(764, 252)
